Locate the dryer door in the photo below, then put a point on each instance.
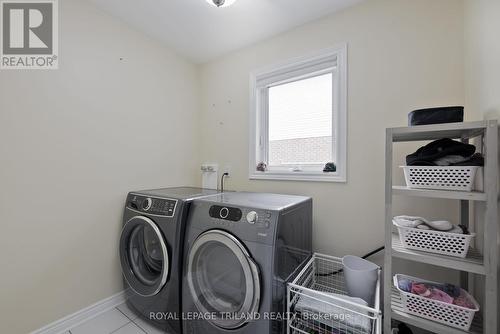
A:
(144, 256)
(223, 279)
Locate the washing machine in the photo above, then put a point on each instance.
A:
(151, 245)
(240, 251)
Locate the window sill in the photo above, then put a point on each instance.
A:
(298, 176)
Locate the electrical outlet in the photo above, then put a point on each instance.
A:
(227, 169)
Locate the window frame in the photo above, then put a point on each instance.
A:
(332, 60)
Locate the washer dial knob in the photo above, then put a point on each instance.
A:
(252, 217)
(146, 204)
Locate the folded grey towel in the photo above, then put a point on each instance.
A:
(334, 313)
(450, 160)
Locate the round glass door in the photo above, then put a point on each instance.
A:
(223, 279)
(144, 256)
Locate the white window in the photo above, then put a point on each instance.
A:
(298, 119)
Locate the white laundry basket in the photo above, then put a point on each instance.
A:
(438, 311)
(441, 177)
(437, 242)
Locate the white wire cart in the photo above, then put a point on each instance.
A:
(318, 303)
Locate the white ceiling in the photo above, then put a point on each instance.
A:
(202, 32)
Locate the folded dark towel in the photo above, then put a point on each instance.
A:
(426, 155)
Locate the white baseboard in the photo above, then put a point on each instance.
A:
(64, 324)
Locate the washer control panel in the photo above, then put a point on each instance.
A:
(151, 205)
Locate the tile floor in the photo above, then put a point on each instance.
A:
(119, 320)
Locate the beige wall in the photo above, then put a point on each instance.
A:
(402, 55)
(72, 143)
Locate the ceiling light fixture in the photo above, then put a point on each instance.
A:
(221, 3)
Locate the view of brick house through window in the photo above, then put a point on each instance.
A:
(300, 122)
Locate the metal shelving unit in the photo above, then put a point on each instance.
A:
(483, 262)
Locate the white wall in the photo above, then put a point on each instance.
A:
(482, 57)
(402, 55)
(482, 70)
(75, 140)
(72, 143)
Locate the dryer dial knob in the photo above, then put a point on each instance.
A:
(252, 217)
(223, 213)
(146, 204)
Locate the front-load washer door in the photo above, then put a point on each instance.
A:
(223, 279)
(144, 256)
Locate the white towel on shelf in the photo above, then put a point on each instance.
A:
(409, 221)
(332, 312)
(424, 224)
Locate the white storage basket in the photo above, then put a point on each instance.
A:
(447, 314)
(437, 242)
(315, 303)
(441, 177)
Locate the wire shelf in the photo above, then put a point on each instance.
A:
(318, 302)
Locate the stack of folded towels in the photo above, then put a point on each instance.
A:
(424, 224)
(447, 293)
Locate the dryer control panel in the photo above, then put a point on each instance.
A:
(225, 212)
(152, 205)
(252, 217)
